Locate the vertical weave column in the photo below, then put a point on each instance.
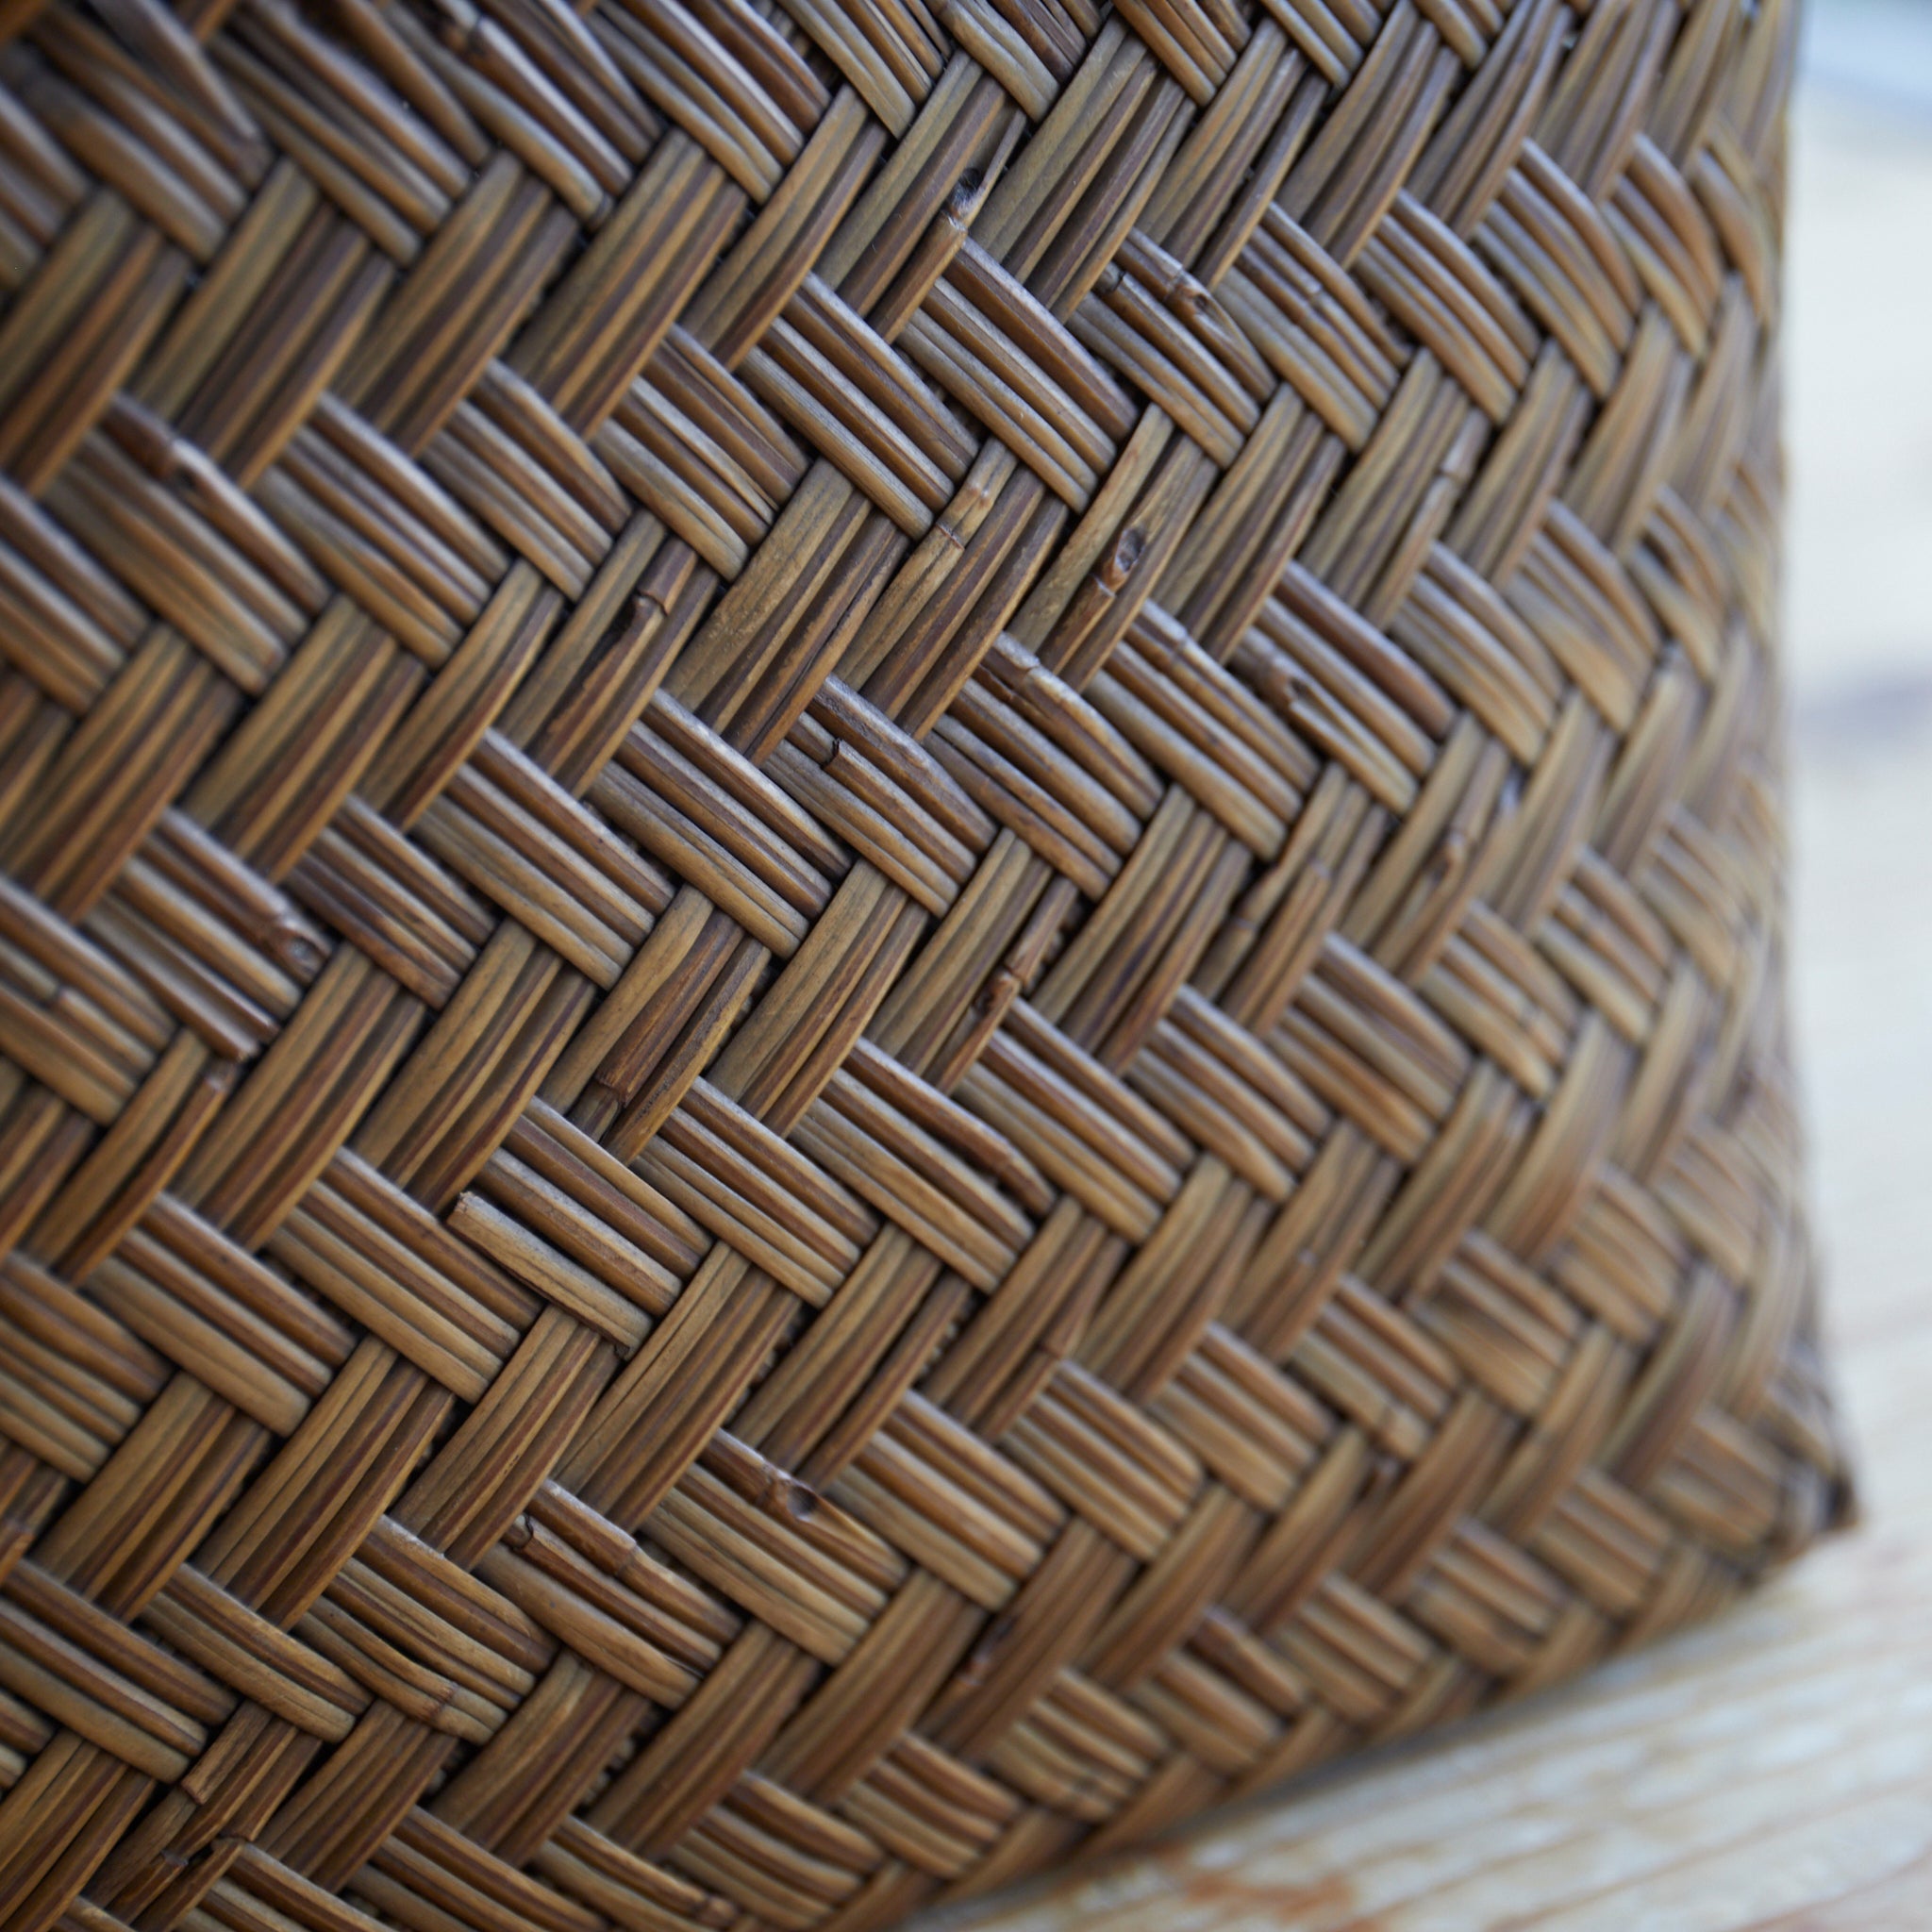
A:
(891, 926)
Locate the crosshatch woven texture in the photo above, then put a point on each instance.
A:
(890, 927)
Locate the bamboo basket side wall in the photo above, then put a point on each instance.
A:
(890, 928)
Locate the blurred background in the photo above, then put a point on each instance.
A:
(1772, 1773)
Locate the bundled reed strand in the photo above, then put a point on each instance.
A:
(891, 926)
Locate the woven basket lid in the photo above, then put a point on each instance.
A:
(891, 952)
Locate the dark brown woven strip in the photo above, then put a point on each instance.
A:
(891, 955)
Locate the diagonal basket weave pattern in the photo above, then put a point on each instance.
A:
(890, 927)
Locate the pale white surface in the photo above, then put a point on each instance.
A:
(1859, 416)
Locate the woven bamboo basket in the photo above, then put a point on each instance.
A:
(890, 927)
